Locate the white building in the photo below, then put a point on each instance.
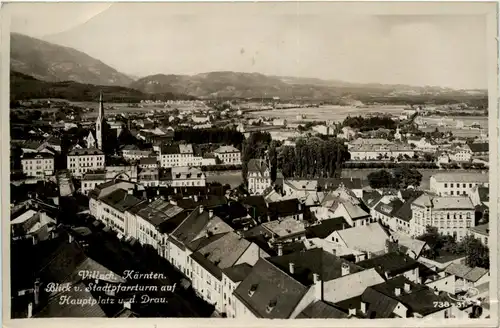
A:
(81, 161)
(187, 176)
(182, 155)
(258, 176)
(231, 278)
(461, 154)
(373, 152)
(451, 215)
(228, 155)
(457, 183)
(38, 165)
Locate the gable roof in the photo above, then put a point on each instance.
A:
(272, 286)
(391, 263)
(351, 285)
(85, 152)
(238, 272)
(465, 272)
(479, 147)
(196, 225)
(316, 260)
(120, 200)
(321, 310)
(356, 238)
(326, 227)
(221, 253)
(257, 166)
(378, 305)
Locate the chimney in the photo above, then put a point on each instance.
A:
(210, 214)
(397, 291)
(201, 209)
(300, 207)
(291, 266)
(127, 305)
(195, 198)
(387, 243)
(363, 307)
(30, 310)
(345, 269)
(318, 287)
(70, 238)
(280, 250)
(36, 291)
(352, 311)
(407, 287)
(175, 190)
(130, 191)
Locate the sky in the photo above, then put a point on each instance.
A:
(152, 38)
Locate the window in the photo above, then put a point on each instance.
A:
(446, 185)
(465, 185)
(451, 192)
(451, 185)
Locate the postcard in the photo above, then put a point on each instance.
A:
(248, 163)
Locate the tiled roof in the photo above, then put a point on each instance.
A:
(378, 305)
(148, 161)
(462, 177)
(321, 310)
(389, 209)
(170, 149)
(285, 207)
(482, 229)
(356, 238)
(404, 212)
(326, 227)
(37, 155)
(196, 224)
(393, 263)
(465, 272)
(334, 183)
(162, 214)
(120, 200)
(419, 299)
(238, 272)
(85, 152)
(286, 227)
(484, 194)
(257, 165)
(272, 289)
(316, 260)
(351, 285)
(445, 202)
(413, 245)
(371, 198)
(479, 147)
(226, 149)
(222, 253)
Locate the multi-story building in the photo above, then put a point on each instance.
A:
(371, 152)
(133, 153)
(451, 215)
(479, 149)
(461, 154)
(231, 278)
(187, 176)
(38, 165)
(258, 176)
(148, 163)
(81, 161)
(228, 155)
(149, 177)
(457, 183)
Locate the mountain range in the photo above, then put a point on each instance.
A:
(51, 63)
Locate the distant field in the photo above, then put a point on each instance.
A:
(326, 113)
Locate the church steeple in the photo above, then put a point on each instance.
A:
(99, 123)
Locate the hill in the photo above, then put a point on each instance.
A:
(24, 87)
(53, 63)
(255, 85)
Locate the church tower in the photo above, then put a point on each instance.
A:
(99, 123)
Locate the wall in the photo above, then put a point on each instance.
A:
(250, 256)
(445, 284)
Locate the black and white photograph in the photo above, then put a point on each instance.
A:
(251, 160)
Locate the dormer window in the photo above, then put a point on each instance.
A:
(271, 305)
(252, 289)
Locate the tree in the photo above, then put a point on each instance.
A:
(380, 179)
(433, 240)
(406, 177)
(477, 254)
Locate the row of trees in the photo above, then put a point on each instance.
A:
(214, 135)
(389, 165)
(312, 158)
(401, 178)
(476, 254)
(369, 123)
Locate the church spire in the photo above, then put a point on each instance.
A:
(99, 123)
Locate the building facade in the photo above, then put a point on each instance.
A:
(454, 184)
(81, 161)
(228, 155)
(38, 165)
